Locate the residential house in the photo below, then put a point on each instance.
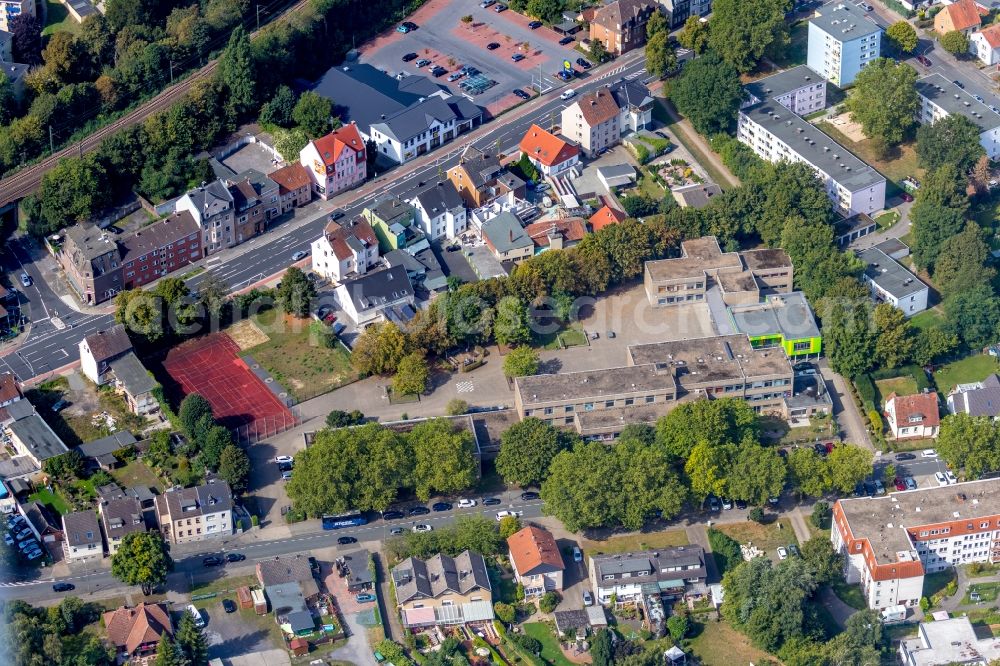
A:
(213, 208)
(964, 16)
(250, 210)
(120, 516)
(842, 41)
(673, 572)
(92, 263)
(422, 267)
(799, 89)
(848, 230)
(701, 7)
(940, 98)
(16, 73)
(443, 590)
(136, 632)
(439, 210)
(367, 298)
(556, 233)
(357, 569)
(635, 105)
(163, 247)
(46, 527)
(536, 560)
(592, 121)
(779, 135)
(196, 514)
(621, 25)
(889, 282)
(985, 45)
(102, 450)
(289, 604)
(11, 9)
(31, 436)
(392, 219)
(605, 216)
(99, 349)
(507, 239)
(977, 398)
(550, 154)
(424, 127)
(294, 186)
(336, 162)
(479, 178)
(345, 250)
(135, 384)
(948, 641)
(934, 529)
(695, 195)
(82, 536)
(280, 570)
(676, 12)
(10, 390)
(913, 416)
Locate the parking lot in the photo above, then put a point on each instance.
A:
(443, 39)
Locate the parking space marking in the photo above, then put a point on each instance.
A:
(465, 387)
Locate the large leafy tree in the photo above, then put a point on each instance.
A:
(443, 460)
(975, 315)
(191, 641)
(141, 313)
(716, 422)
(903, 36)
(234, 467)
(295, 293)
(379, 349)
(694, 35)
(510, 325)
(411, 375)
(313, 114)
(953, 140)
(849, 337)
(894, 339)
(885, 101)
(26, 39)
(849, 466)
(526, 451)
(660, 56)
(520, 362)
(938, 213)
(192, 412)
(955, 42)
(74, 190)
(707, 468)
(961, 263)
(142, 560)
(809, 472)
(237, 72)
(971, 443)
(755, 474)
(709, 93)
(742, 32)
(825, 563)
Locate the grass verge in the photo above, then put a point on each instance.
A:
(636, 542)
(551, 653)
(849, 594)
(766, 537)
(969, 369)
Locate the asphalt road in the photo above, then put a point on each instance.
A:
(50, 349)
(188, 568)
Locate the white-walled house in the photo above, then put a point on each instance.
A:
(799, 89)
(365, 299)
(99, 349)
(913, 416)
(635, 105)
(439, 210)
(889, 282)
(82, 534)
(196, 514)
(551, 155)
(940, 98)
(842, 41)
(347, 249)
(985, 45)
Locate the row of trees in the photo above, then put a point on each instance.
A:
(368, 467)
(53, 636)
(971, 443)
(212, 443)
(476, 533)
(701, 448)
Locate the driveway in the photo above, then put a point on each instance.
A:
(232, 634)
(848, 417)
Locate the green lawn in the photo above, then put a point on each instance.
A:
(58, 18)
(573, 337)
(766, 537)
(987, 592)
(899, 385)
(969, 369)
(303, 365)
(926, 319)
(849, 594)
(887, 219)
(570, 337)
(796, 52)
(936, 582)
(51, 500)
(136, 473)
(902, 162)
(550, 646)
(634, 542)
(718, 644)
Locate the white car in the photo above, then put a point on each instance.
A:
(196, 614)
(951, 477)
(941, 478)
(503, 514)
(782, 553)
(466, 503)
(422, 527)
(928, 453)
(569, 93)
(283, 459)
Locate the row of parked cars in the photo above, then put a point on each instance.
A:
(20, 536)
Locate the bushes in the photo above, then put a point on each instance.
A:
(866, 391)
(548, 602)
(641, 152)
(725, 548)
(820, 516)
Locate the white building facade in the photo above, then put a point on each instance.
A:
(940, 97)
(842, 41)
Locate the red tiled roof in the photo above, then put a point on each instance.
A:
(9, 390)
(924, 405)
(546, 147)
(290, 178)
(964, 14)
(533, 547)
(605, 216)
(572, 229)
(132, 627)
(331, 146)
(992, 35)
(337, 235)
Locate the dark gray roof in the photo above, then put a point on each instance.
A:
(40, 519)
(376, 289)
(368, 93)
(783, 83)
(630, 93)
(437, 197)
(172, 229)
(785, 314)
(415, 578)
(844, 21)
(109, 344)
(197, 501)
(651, 566)
(212, 199)
(814, 146)
(482, 167)
(141, 493)
(133, 375)
(109, 492)
(853, 223)
(14, 71)
(90, 241)
(81, 529)
(889, 274)
(122, 516)
(981, 400)
(38, 437)
(281, 570)
(357, 566)
(953, 99)
(106, 445)
(505, 233)
(571, 619)
(391, 209)
(408, 123)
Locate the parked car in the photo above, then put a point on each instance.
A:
(8, 539)
(535, 25)
(773, 501)
(486, 3)
(727, 504)
(28, 544)
(212, 561)
(423, 62)
(566, 40)
(979, 99)
(344, 540)
(906, 196)
(859, 489)
(928, 453)
(393, 515)
(396, 530)
(455, 76)
(529, 495)
(504, 514)
(491, 501)
(229, 605)
(869, 489)
(285, 476)
(419, 511)
(879, 488)
(741, 504)
(584, 63)
(33, 555)
(782, 553)
(438, 71)
(951, 477)
(820, 448)
(520, 93)
(828, 446)
(300, 255)
(23, 534)
(199, 621)
(588, 599)
(959, 84)
(941, 478)
(500, 8)
(577, 554)
(63, 587)
(283, 459)
(364, 598)
(441, 506)
(899, 483)
(422, 527)
(924, 60)
(410, 57)
(466, 503)
(25, 280)
(493, 46)
(407, 26)
(713, 503)
(911, 484)
(284, 467)
(517, 57)
(235, 557)
(905, 456)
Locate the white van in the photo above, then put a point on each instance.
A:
(196, 614)
(569, 93)
(504, 514)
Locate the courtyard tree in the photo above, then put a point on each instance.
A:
(969, 443)
(443, 460)
(142, 560)
(527, 449)
(809, 472)
(213, 443)
(341, 419)
(709, 93)
(885, 102)
(234, 467)
(694, 35)
(903, 36)
(278, 110)
(716, 422)
(938, 213)
(742, 32)
(953, 140)
(961, 264)
(313, 113)
(295, 293)
(510, 325)
(411, 375)
(194, 408)
(520, 362)
(755, 474)
(894, 339)
(379, 349)
(849, 466)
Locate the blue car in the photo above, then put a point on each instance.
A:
(362, 598)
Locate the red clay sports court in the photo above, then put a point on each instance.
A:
(211, 367)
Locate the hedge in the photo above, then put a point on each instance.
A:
(867, 392)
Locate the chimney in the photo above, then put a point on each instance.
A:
(510, 232)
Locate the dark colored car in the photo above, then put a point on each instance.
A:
(493, 46)
(820, 448)
(235, 557)
(523, 95)
(393, 515)
(343, 541)
(441, 506)
(212, 561)
(906, 196)
(63, 587)
(566, 40)
(959, 84)
(500, 7)
(741, 504)
(535, 25)
(517, 57)
(582, 62)
(410, 56)
(438, 71)
(905, 456)
(859, 490)
(419, 511)
(229, 605)
(286, 467)
(899, 483)
(869, 489)
(924, 60)
(714, 504)
(799, 367)
(529, 495)
(491, 501)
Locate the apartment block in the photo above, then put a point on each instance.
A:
(842, 41)
(196, 514)
(92, 262)
(347, 249)
(777, 134)
(159, 249)
(443, 590)
(890, 543)
(799, 89)
(940, 98)
(592, 121)
(621, 25)
(213, 208)
(742, 277)
(889, 282)
(671, 573)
